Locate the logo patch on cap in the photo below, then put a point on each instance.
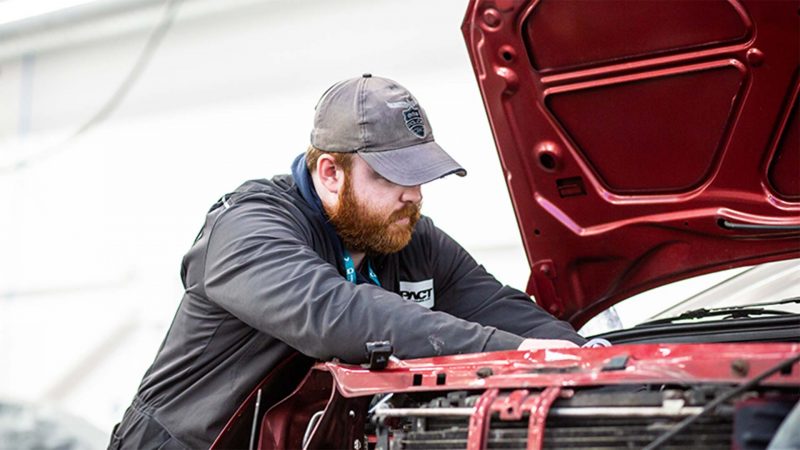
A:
(414, 121)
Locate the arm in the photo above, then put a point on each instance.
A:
(261, 268)
(470, 292)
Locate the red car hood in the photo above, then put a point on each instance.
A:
(642, 142)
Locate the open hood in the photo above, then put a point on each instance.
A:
(642, 142)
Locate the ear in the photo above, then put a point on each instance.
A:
(328, 178)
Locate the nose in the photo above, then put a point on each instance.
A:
(411, 194)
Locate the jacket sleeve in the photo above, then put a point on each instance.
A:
(468, 291)
(261, 268)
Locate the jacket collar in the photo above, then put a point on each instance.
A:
(304, 183)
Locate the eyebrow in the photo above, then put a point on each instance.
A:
(375, 174)
(379, 176)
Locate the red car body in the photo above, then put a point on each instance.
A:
(643, 142)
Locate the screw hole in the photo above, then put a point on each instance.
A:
(537, 232)
(508, 56)
(547, 161)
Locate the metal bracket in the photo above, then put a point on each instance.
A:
(379, 353)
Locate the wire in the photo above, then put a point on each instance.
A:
(783, 365)
(149, 49)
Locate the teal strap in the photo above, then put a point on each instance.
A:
(350, 270)
(372, 275)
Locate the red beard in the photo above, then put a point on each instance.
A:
(364, 230)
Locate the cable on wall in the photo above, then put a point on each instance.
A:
(151, 46)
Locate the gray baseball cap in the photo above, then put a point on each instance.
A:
(382, 122)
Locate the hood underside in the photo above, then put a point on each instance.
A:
(642, 142)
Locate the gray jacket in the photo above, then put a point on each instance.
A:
(264, 279)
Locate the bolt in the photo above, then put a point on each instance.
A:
(755, 57)
(484, 372)
(352, 414)
(491, 17)
(740, 367)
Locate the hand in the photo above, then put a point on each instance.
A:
(538, 344)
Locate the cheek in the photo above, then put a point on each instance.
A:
(379, 199)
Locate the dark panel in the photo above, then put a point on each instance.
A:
(575, 36)
(784, 172)
(591, 433)
(666, 130)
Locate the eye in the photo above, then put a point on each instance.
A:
(378, 177)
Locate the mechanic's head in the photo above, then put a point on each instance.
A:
(371, 149)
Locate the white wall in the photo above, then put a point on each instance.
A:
(92, 234)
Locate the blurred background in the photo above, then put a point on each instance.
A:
(122, 121)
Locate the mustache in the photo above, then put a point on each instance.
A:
(411, 211)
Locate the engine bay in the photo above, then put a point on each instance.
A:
(619, 417)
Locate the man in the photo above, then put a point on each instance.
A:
(321, 262)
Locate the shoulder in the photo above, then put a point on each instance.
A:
(261, 206)
(280, 186)
(278, 195)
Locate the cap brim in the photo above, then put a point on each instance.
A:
(414, 165)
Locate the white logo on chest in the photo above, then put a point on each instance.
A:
(420, 292)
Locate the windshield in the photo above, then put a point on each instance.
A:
(740, 287)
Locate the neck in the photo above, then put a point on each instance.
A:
(357, 257)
